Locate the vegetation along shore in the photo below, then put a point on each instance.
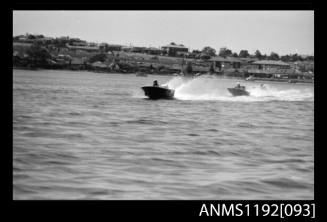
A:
(38, 51)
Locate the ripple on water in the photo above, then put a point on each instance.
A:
(80, 135)
(286, 183)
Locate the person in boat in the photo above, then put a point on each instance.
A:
(238, 86)
(155, 83)
(263, 86)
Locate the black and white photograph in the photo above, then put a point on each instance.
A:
(163, 104)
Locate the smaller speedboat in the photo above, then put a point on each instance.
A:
(238, 91)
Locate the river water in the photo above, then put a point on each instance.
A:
(83, 135)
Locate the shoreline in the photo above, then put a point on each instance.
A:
(296, 81)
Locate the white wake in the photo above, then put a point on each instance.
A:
(213, 88)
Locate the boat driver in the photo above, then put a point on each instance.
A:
(155, 83)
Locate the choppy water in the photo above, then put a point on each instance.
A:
(82, 135)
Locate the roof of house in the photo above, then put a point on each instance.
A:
(248, 59)
(83, 47)
(153, 49)
(270, 62)
(174, 46)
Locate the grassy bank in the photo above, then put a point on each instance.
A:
(63, 58)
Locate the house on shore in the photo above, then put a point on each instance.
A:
(275, 70)
(173, 50)
(138, 49)
(277, 73)
(84, 48)
(221, 63)
(126, 48)
(110, 47)
(153, 51)
(269, 69)
(247, 62)
(270, 64)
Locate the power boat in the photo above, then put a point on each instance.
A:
(158, 92)
(238, 91)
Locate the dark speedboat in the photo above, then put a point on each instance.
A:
(157, 92)
(238, 91)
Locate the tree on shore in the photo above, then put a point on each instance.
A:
(101, 57)
(38, 54)
(310, 58)
(209, 51)
(296, 57)
(285, 58)
(258, 54)
(29, 36)
(224, 52)
(274, 56)
(243, 54)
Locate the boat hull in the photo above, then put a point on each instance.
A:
(238, 92)
(155, 92)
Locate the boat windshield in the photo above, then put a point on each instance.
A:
(240, 87)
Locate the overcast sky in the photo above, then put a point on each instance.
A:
(283, 32)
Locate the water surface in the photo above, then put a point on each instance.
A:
(83, 135)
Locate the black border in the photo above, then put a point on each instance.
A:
(164, 5)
